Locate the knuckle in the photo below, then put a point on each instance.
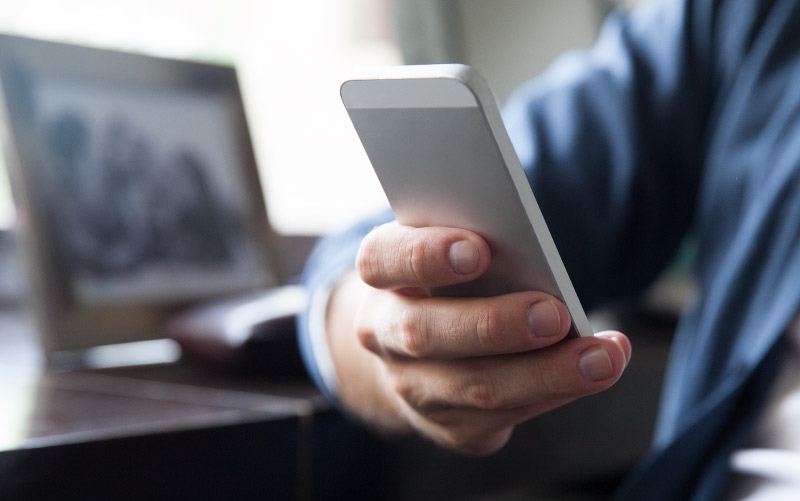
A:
(367, 263)
(412, 338)
(367, 339)
(548, 380)
(416, 256)
(418, 394)
(385, 260)
(404, 387)
(489, 328)
(415, 392)
(481, 392)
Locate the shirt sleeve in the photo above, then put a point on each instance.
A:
(332, 258)
(611, 140)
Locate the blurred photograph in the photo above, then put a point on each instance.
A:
(146, 201)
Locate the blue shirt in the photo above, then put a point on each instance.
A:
(683, 119)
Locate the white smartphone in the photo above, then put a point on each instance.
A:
(436, 140)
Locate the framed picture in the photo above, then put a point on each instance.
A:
(136, 187)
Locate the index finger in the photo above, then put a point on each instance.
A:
(394, 256)
(450, 328)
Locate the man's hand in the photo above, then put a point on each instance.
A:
(462, 371)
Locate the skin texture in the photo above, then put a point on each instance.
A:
(460, 371)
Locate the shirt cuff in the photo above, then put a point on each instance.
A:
(313, 337)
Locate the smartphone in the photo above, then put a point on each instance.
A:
(436, 141)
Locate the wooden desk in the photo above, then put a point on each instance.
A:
(169, 431)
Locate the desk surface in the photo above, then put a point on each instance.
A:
(45, 408)
(171, 430)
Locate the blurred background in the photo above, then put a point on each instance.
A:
(292, 56)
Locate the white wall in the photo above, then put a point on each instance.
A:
(509, 41)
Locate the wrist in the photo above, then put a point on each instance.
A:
(365, 388)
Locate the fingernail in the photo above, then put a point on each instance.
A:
(595, 364)
(543, 319)
(625, 347)
(464, 257)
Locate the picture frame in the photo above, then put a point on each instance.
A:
(136, 188)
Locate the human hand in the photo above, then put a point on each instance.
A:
(461, 371)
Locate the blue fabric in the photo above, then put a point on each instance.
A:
(683, 119)
(325, 263)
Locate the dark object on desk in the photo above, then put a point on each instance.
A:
(153, 432)
(255, 332)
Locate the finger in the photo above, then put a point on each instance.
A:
(450, 328)
(394, 256)
(538, 380)
(621, 340)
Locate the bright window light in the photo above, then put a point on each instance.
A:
(291, 57)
